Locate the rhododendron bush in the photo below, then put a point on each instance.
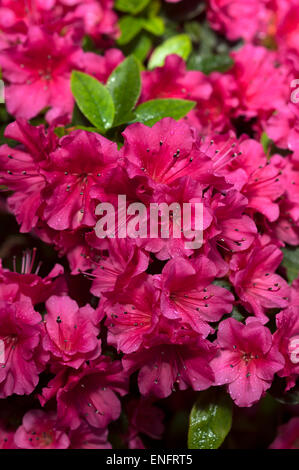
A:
(133, 342)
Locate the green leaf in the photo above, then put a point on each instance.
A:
(291, 262)
(60, 131)
(142, 47)
(236, 314)
(129, 27)
(154, 25)
(131, 6)
(153, 8)
(211, 63)
(266, 142)
(89, 129)
(210, 420)
(223, 282)
(153, 111)
(124, 85)
(193, 29)
(93, 100)
(180, 45)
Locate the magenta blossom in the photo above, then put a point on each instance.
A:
(38, 75)
(239, 19)
(257, 285)
(287, 436)
(261, 82)
(283, 125)
(102, 66)
(6, 437)
(71, 333)
(40, 430)
(135, 316)
(166, 365)
(21, 332)
(89, 394)
(187, 293)
(97, 17)
(20, 169)
(174, 81)
(29, 283)
(247, 360)
(145, 418)
(71, 170)
(243, 164)
(114, 272)
(164, 152)
(286, 337)
(87, 437)
(233, 231)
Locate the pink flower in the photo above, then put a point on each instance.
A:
(89, 394)
(174, 81)
(215, 113)
(283, 129)
(232, 230)
(20, 169)
(135, 315)
(286, 227)
(182, 190)
(288, 435)
(71, 170)
(247, 360)
(30, 284)
(57, 183)
(262, 86)
(238, 19)
(114, 272)
(40, 430)
(244, 164)
(167, 365)
(145, 418)
(286, 337)
(38, 75)
(187, 293)
(75, 17)
(254, 279)
(17, 16)
(287, 35)
(71, 334)
(102, 66)
(164, 152)
(280, 125)
(98, 18)
(21, 332)
(6, 437)
(86, 437)
(264, 185)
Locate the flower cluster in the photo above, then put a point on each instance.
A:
(157, 317)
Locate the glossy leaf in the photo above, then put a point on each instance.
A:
(180, 45)
(210, 420)
(154, 25)
(124, 85)
(153, 111)
(291, 262)
(142, 47)
(211, 63)
(129, 27)
(131, 6)
(93, 100)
